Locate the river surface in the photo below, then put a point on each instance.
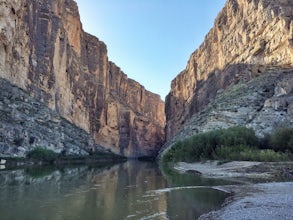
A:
(132, 190)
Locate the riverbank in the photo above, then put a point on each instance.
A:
(17, 162)
(257, 201)
(250, 200)
(240, 170)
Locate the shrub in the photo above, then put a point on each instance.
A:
(235, 143)
(282, 140)
(204, 145)
(264, 142)
(249, 154)
(42, 154)
(238, 135)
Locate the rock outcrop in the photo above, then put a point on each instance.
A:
(44, 51)
(27, 123)
(255, 104)
(251, 39)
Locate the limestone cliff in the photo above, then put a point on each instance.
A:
(250, 38)
(44, 51)
(27, 123)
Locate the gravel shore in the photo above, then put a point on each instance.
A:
(250, 200)
(257, 201)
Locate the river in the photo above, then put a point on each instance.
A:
(131, 190)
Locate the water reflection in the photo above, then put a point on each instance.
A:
(124, 191)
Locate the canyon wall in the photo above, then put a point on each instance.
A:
(45, 52)
(250, 38)
(27, 123)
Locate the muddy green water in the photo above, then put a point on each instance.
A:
(132, 190)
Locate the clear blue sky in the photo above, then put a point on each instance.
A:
(150, 40)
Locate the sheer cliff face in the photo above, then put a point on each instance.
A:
(44, 50)
(248, 37)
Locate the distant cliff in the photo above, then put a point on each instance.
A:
(240, 75)
(45, 52)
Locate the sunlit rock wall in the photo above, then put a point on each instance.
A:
(44, 50)
(249, 38)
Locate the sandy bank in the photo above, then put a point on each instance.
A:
(257, 201)
(261, 201)
(240, 169)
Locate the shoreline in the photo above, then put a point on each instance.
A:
(240, 170)
(272, 198)
(257, 201)
(15, 163)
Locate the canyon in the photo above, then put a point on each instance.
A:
(45, 52)
(59, 91)
(63, 82)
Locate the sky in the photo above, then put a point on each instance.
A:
(150, 40)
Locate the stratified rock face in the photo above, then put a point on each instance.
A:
(27, 123)
(263, 104)
(44, 51)
(249, 39)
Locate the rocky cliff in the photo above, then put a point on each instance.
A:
(44, 51)
(223, 82)
(27, 123)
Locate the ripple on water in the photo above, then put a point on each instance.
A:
(159, 216)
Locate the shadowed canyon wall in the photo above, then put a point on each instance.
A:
(250, 38)
(44, 51)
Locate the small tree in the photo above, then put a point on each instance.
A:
(282, 140)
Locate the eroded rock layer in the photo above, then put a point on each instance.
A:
(44, 51)
(263, 104)
(27, 123)
(250, 38)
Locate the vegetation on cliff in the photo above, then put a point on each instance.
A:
(234, 143)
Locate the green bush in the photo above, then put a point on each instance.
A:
(204, 145)
(264, 142)
(245, 153)
(235, 143)
(42, 154)
(282, 140)
(238, 135)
